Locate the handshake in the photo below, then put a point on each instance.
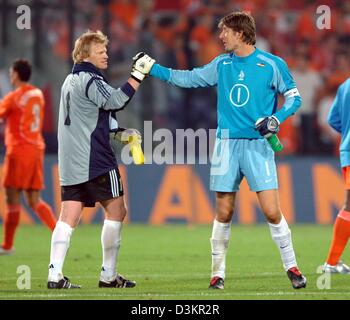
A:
(142, 66)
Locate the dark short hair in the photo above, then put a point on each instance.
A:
(23, 68)
(240, 21)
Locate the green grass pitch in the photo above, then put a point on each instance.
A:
(173, 262)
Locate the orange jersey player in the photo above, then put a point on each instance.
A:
(23, 111)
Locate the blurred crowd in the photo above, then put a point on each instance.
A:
(183, 34)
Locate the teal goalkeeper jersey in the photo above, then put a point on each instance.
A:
(247, 89)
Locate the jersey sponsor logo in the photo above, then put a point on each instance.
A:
(239, 95)
(241, 76)
(227, 62)
(259, 64)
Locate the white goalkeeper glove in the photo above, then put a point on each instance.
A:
(142, 66)
(126, 136)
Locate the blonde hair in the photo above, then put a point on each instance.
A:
(82, 45)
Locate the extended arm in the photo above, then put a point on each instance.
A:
(205, 76)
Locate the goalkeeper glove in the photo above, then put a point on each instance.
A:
(142, 66)
(267, 126)
(126, 136)
(134, 139)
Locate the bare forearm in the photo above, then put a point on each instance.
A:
(135, 84)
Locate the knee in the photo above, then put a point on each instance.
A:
(224, 213)
(123, 212)
(273, 215)
(346, 206)
(33, 204)
(12, 197)
(32, 201)
(120, 213)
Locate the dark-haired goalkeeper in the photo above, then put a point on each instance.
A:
(248, 82)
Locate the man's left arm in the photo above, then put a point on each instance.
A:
(286, 86)
(6, 105)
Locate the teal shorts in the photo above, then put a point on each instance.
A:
(234, 159)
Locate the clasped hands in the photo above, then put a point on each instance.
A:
(142, 65)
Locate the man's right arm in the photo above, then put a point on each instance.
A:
(109, 98)
(334, 119)
(205, 76)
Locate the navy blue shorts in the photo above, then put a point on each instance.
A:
(102, 188)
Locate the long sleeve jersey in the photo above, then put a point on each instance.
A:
(247, 89)
(87, 101)
(339, 119)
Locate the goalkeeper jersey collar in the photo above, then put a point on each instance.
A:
(87, 67)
